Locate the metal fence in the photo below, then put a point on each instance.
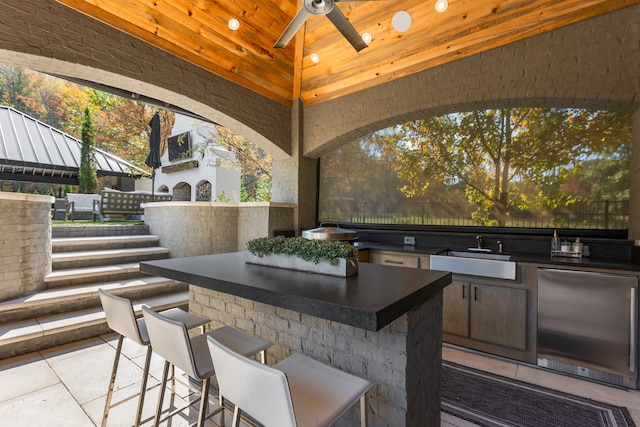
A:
(594, 215)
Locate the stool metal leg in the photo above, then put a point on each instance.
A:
(163, 386)
(112, 382)
(204, 400)
(220, 403)
(363, 411)
(143, 385)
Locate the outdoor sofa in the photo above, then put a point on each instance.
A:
(118, 205)
(81, 205)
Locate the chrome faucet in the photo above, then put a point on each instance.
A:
(479, 240)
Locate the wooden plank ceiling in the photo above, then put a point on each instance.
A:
(197, 31)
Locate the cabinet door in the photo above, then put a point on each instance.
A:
(499, 315)
(455, 309)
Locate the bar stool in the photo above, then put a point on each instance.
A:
(170, 340)
(297, 392)
(121, 318)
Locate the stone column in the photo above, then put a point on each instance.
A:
(25, 243)
(634, 179)
(295, 179)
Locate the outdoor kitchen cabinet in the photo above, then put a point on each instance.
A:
(398, 259)
(486, 313)
(495, 316)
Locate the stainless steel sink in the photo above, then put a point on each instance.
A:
(485, 264)
(483, 254)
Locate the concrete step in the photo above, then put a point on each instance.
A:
(98, 230)
(71, 244)
(82, 259)
(48, 331)
(88, 275)
(75, 298)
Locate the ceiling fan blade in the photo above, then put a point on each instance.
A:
(292, 28)
(347, 30)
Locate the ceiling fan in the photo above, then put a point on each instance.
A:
(322, 7)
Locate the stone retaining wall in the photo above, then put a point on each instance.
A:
(25, 243)
(202, 228)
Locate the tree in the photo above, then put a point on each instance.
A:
(255, 163)
(122, 127)
(507, 159)
(87, 176)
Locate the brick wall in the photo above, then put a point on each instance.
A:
(25, 243)
(402, 359)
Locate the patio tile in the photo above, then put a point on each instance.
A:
(47, 407)
(124, 414)
(591, 390)
(478, 361)
(24, 374)
(86, 373)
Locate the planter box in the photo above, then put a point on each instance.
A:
(346, 266)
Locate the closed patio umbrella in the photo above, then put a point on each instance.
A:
(153, 158)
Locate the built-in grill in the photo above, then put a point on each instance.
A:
(330, 231)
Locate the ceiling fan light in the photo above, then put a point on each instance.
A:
(401, 21)
(315, 58)
(367, 37)
(441, 5)
(234, 24)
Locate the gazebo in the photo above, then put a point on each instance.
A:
(33, 151)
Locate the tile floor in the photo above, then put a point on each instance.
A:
(66, 385)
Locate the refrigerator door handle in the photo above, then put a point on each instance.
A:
(633, 319)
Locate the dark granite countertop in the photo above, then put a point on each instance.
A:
(372, 299)
(522, 257)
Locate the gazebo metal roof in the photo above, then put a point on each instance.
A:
(31, 150)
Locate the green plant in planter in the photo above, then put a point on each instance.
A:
(309, 250)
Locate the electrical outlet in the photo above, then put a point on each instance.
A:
(409, 240)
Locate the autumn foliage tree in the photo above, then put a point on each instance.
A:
(255, 163)
(120, 125)
(508, 159)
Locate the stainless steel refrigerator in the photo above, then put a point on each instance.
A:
(588, 325)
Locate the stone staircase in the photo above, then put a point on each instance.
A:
(83, 260)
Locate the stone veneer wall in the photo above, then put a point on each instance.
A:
(201, 228)
(25, 243)
(261, 219)
(402, 359)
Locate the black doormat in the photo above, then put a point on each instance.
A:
(491, 401)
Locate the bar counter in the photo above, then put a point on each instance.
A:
(384, 324)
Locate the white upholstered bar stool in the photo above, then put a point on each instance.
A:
(121, 318)
(171, 341)
(297, 392)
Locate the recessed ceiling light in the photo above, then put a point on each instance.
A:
(401, 21)
(441, 5)
(234, 24)
(367, 37)
(315, 58)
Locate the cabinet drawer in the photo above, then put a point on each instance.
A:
(394, 259)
